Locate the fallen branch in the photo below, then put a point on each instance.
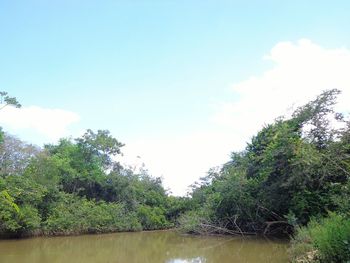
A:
(216, 229)
(270, 223)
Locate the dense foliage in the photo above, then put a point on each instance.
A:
(76, 187)
(293, 175)
(293, 169)
(324, 240)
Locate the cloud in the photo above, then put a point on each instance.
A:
(180, 160)
(300, 71)
(49, 123)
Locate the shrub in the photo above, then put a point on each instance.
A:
(152, 217)
(74, 215)
(331, 237)
(302, 246)
(192, 221)
(328, 240)
(25, 221)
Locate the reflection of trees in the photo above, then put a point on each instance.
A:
(147, 247)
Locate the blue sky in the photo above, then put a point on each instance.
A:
(159, 73)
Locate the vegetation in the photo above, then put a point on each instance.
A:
(293, 170)
(324, 240)
(6, 100)
(76, 187)
(292, 178)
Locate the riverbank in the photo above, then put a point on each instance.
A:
(322, 241)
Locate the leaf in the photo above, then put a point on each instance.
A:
(9, 199)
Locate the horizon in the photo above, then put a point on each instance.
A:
(181, 84)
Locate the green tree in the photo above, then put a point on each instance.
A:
(6, 100)
(100, 146)
(15, 155)
(292, 170)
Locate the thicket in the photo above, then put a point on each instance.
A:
(324, 240)
(294, 172)
(76, 187)
(294, 169)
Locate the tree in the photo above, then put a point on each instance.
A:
(6, 100)
(316, 118)
(100, 146)
(292, 170)
(85, 161)
(15, 155)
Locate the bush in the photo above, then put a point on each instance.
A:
(8, 216)
(302, 249)
(74, 215)
(25, 221)
(152, 217)
(329, 238)
(192, 221)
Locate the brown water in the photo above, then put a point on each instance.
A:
(143, 247)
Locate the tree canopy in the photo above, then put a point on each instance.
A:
(292, 170)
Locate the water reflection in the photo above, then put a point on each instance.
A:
(152, 247)
(193, 260)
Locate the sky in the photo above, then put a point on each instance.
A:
(181, 83)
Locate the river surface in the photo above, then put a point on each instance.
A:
(142, 247)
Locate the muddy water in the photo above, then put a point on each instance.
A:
(143, 247)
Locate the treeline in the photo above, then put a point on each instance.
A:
(292, 171)
(76, 187)
(293, 178)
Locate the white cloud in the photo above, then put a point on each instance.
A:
(180, 160)
(301, 71)
(52, 124)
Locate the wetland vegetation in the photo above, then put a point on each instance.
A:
(292, 179)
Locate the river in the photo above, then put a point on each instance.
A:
(142, 247)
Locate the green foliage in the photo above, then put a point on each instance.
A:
(5, 99)
(25, 191)
(8, 219)
(175, 207)
(75, 187)
(301, 249)
(342, 197)
(15, 155)
(1, 135)
(99, 147)
(21, 217)
(292, 170)
(78, 173)
(317, 115)
(29, 220)
(331, 237)
(328, 238)
(191, 221)
(18, 221)
(152, 217)
(72, 215)
(8, 198)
